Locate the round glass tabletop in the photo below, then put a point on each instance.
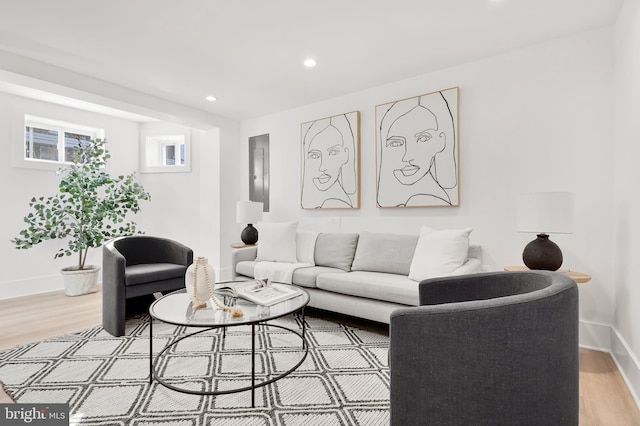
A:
(176, 308)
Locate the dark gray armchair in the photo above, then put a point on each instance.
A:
(137, 266)
(495, 348)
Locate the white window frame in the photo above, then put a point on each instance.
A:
(154, 157)
(59, 126)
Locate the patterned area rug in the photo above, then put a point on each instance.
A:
(343, 381)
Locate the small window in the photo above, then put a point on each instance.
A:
(41, 144)
(54, 141)
(71, 140)
(166, 153)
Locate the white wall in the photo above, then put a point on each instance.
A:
(194, 208)
(198, 208)
(535, 119)
(173, 210)
(34, 270)
(626, 342)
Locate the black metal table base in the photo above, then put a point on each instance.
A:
(153, 363)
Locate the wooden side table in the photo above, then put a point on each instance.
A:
(241, 245)
(578, 277)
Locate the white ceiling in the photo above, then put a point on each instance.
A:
(249, 53)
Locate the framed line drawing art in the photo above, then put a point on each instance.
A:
(330, 162)
(417, 151)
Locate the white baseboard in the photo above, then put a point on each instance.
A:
(606, 338)
(627, 363)
(595, 336)
(27, 287)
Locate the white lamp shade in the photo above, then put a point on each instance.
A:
(546, 212)
(248, 212)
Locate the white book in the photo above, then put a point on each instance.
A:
(236, 288)
(269, 295)
(261, 292)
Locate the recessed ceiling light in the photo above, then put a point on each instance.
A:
(210, 98)
(310, 63)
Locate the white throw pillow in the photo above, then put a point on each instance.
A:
(306, 244)
(439, 252)
(277, 241)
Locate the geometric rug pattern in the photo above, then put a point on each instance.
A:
(344, 379)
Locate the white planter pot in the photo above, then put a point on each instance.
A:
(78, 282)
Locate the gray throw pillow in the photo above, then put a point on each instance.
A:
(335, 250)
(390, 253)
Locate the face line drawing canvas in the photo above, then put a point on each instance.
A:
(330, 163)
(417, 152)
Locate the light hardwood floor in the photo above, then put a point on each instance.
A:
(604, 397)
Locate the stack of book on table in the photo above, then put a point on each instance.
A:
(261, 292)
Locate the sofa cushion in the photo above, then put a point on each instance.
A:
(439, 252)
(246, 268)
(336, 250)
(306, 277)
(384, 253)
(150, 272)
(373, 285)
(277, 241)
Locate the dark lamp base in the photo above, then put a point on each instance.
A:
(542, 253)
(249, 235)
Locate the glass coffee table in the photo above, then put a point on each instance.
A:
(176, 309)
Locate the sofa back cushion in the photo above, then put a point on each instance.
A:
(335, 250)
(388, 253)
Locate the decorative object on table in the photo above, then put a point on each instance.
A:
(235, 288)
(199, 280)
(331, 162)
(91, 208)
(544, 213)
(417, 159)
(261, 291)
(249, 212)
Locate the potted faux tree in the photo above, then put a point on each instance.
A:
(90, 208)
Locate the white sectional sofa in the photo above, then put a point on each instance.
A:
(368, 275)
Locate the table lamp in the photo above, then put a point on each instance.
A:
(544, 213)
(249, 212)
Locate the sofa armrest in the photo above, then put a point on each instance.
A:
(241, 255)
